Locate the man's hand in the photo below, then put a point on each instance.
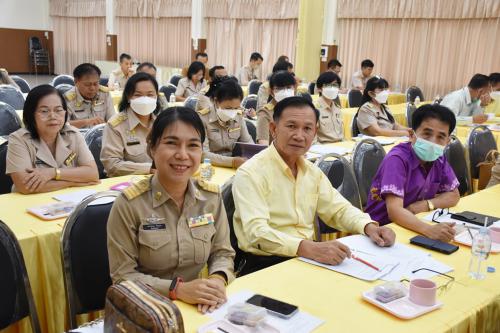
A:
(479, 118)
(382, 236)
(330, 252)
(441, 231)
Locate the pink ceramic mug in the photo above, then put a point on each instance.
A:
(423, 292)
(495, 234)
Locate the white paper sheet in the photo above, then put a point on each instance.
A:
(97, 327)
(76, 196)
(301, 322)
(382, 141)
(327, 149)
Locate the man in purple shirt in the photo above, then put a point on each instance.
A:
(415, 177)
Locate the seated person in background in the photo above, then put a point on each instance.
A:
(147, 67)
(6, 79)
(224, 123)
(282, 84)
(88, 102)
(124, 137)
(335, 66)
(48, 154)
(494, 106)
(263, 92)
(495, 174)
(252, 71)
(165, 229)
(361, 77)
(467, 103)
(283, 58)
(330, 125)
(215, 73)
(193, 83)
(374, 117)
(201, 57)
(278, 193)
(415, 177)
(118, 78)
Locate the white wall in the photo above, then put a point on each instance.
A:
(25, 14)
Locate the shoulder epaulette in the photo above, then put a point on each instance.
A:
(118, 119)
(269, 106)
(266, 84)
(137, 189)
(103, 89)
(207, 186)
(70, 95)
(204, 111)
(317, 104)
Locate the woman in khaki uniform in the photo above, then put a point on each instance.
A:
(282, 84)
(224, 123)
(164, 229)
(48, 154)
(193, 83)
(330, 125)
(124, 138)
(373, 117)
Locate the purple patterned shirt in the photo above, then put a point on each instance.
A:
(402, 174)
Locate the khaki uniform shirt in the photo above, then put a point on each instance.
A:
(221, 137)
(369, 114)
(359, 80)
(24, 152)
(264, 118)
(186, 87)
(100, 106)
(124, 145)
(118, 76)
(152, 241)
(263, 95)
(247, 73)
(331, 127)
(495, 174)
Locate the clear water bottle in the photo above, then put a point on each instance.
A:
(481, 246)
(417, 101)
(206, 171)
(172, 98)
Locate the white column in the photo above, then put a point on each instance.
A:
(330, 31)
(197, 22)
(110, 17)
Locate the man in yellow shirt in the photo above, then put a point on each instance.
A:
(278, 193)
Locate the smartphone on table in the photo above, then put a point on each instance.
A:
(273, 306)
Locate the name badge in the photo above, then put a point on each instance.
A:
(324, 117)
(70, 159)
(214, 130)
(133, 143)
(154, 226)
(81, 110)
(201, 220)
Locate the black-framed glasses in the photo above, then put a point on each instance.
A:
(439, 213)
(442, 288)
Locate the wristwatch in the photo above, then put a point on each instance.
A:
(173, 287)
(430, 205)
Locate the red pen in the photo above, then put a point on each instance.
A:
(365, 262)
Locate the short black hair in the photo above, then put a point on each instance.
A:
(372, 84)
(31, 103)
(281, 79)
(294, 101)
(334, 63)
(212, 70)
(479, 81)
(435, 111)
(201, 54)
(282, 66)
(124, 56)
(256, 56)
(146, 65)
(283, 58)
(367, 63)
(194, 68)
(227, 89)
(85, 69)
(494, 78)
(170, 116)
(326, 78)
(130, 89)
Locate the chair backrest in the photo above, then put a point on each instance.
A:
(174, 79)
(253, 87)
(410, 109)
(191, 102)
(354, 97)
(11, 96)
(93, 138)
(168, 90)
(35, 44)
(103, 81)
(16, 301)
(85, 256)
(9, 120)
(252, 130)
(22, 83)
(366, 159)
(480, 142)
(412, 93)
(63, 78)
(227, 198)
(63, 88)
(250, 102)
(5, 180)
(455, 155)
(311, 87)
(354, 126)
(306, 95)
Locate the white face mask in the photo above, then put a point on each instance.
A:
(226, 114)
(495, 95)
(330, 92)
(382, 96)
(282, 94)
(143, 105)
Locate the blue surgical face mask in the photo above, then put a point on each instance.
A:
(427, 151)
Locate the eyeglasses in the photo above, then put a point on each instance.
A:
(45, 114)
(439, 213)
(442, 288)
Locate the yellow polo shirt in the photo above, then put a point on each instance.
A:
(275, 211)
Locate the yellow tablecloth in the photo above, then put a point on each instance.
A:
(469, 306)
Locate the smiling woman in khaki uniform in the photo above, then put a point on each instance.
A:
(124, 138)
(164, 229)
(48, 154)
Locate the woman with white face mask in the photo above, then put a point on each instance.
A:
(330, 125)
(374, 117)
(282, 84)
(124, 137)
(224, 123)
